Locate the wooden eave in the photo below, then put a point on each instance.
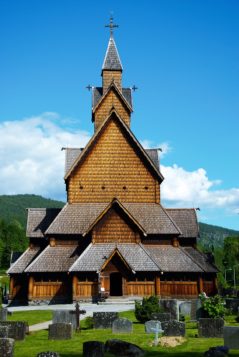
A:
(116, 251)
(113, 86)
(103, 213)
(94, 138)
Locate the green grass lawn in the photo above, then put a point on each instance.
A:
(32, 317)
(38, 341)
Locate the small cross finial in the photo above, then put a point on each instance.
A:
(134, 88)
(111, 25)
(89, 87)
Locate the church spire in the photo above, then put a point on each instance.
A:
(112, 67)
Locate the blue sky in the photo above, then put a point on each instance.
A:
(183, 56)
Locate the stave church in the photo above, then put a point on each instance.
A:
(113, 236)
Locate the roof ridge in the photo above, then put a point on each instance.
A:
(63, 208)
(22, 255)
(192, 258)
(147, 252)
(80, 256)
(35, 260)
(175, 225)
(127, 129)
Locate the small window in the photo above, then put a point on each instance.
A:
(146, 187)
(103, 187)
(81, 187)
(124, 187)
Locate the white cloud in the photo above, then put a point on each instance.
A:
(164, 147)
(31, 160)
(185, 188)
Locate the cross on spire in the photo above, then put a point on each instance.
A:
(111, 26)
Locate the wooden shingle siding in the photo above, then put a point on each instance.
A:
(109, 76)
(112, 170)
(111, 101)
(113, 228)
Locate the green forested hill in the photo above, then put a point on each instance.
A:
(13, 207)
(214, 235)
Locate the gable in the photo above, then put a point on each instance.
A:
(113, 167)
(111, 100)
(114, 227)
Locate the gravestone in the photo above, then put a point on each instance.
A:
(3, 331)
(123, 349)
(218, 351)
(161, 316)
(196, 310)
(150, 326)
(171, 306)
(185, 308)
(93, 349)
(173, 328)
(16, 329)
(232, 305)
(208, 327)
(64, 316)
(3, 314)
(104, 320)
(122, 325)
(60, 331)
(6, 347)
(231, 337)
(48, 354)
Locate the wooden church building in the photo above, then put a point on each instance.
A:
(113, 236)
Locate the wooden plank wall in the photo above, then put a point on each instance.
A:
(109, 76)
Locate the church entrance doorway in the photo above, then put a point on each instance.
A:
(116, 284)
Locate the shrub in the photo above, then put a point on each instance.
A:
(213, 306)
(145, 309)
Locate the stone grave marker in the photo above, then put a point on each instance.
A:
(16, 329)
(150, 326)
(208, 327)
(60, 331)
(68, 316)
(104, 320)
(121, 348)
(173, 328)
(231, 337)
(161, 316)
(185, 308)
(93, 349)
(171, 306)
(3, 331)
(122, 325)
(48, 354)
(3, 314)
(6, 347)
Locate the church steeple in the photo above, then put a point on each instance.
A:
(112, 67)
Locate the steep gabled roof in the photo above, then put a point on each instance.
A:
(95, 256)
(80, 218)
(114, 116)
(116, 203)
(186, 220)
(112, 60)
(97, 93)
(112, 86)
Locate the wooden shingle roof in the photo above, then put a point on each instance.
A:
(186, 220)
(78, 218)
(39, 219)
(201, 259)
(172, 259)
(54, 259)
(112, 60)
(23, 261)
(95, 255)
